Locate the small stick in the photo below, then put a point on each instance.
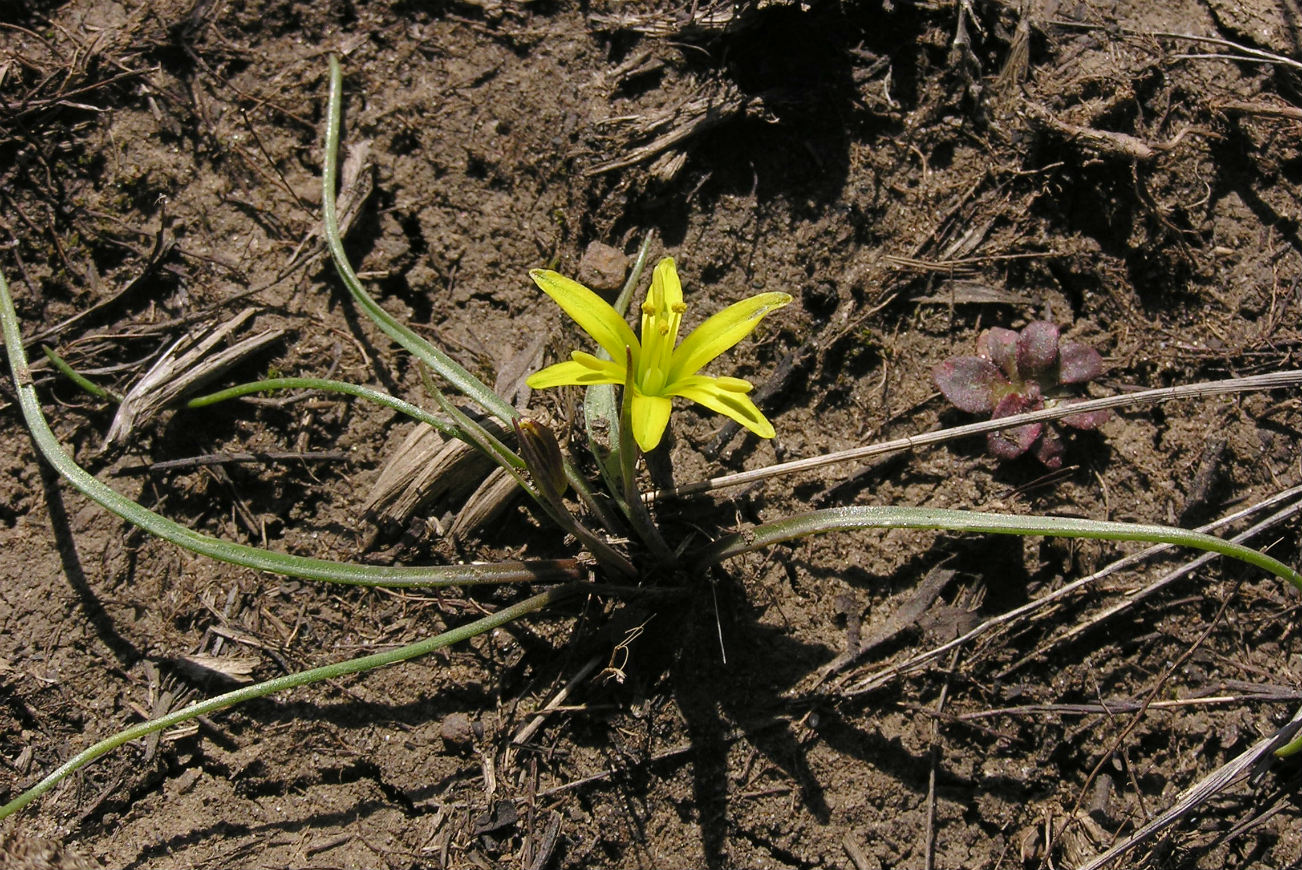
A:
(1252, 53)
(868, 684)
(1129, 705)
(542, 851)
(664, 754)
(1264, 110)
(522, 736)
(791, 365)
(853, 849)
(1138, 715)
(930, 848)
(909, 607)
(1268, 381)
(682, 749)
(231, 458)
(1138, 595)
(1108, 143)
(163, 244)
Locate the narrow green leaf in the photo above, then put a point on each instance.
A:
(877, 517)
(228, 551)
(290, 681)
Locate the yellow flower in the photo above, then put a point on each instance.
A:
(660, 370)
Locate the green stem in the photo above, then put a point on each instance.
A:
(866, 517)
(488, 444)
(450, 369)
(600, 410)
(638, 514)
(290, 681)
(427, 353)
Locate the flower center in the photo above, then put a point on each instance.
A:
(653, 382)
(660, 321)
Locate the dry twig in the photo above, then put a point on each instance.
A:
(1198, 794)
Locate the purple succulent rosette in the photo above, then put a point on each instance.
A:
(1022, 371)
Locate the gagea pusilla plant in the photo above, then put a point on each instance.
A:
(1014, 372)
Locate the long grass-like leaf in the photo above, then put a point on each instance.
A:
(78, 378)
(290, 681)
(440, 362)
(241, 554)
(878, 517)
(883, 517)
(329, 386)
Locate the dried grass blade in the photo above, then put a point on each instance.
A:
(1198, 794)
(1268, 381)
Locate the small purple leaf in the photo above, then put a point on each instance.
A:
(1012, 443)
(1087, 419)
(1037, 347)
(999, 345)
(1078, 363)
(970, 383)
(1015, 403)
(1049, 449)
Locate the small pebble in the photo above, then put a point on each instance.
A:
(602, 268)
(459, 730)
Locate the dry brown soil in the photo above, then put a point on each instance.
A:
(911, 172)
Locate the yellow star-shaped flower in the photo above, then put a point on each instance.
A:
(660, 370)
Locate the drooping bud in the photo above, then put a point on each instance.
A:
(542, 454)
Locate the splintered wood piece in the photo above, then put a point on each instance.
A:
(188, 364)
(485, 504)
(426, 467)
